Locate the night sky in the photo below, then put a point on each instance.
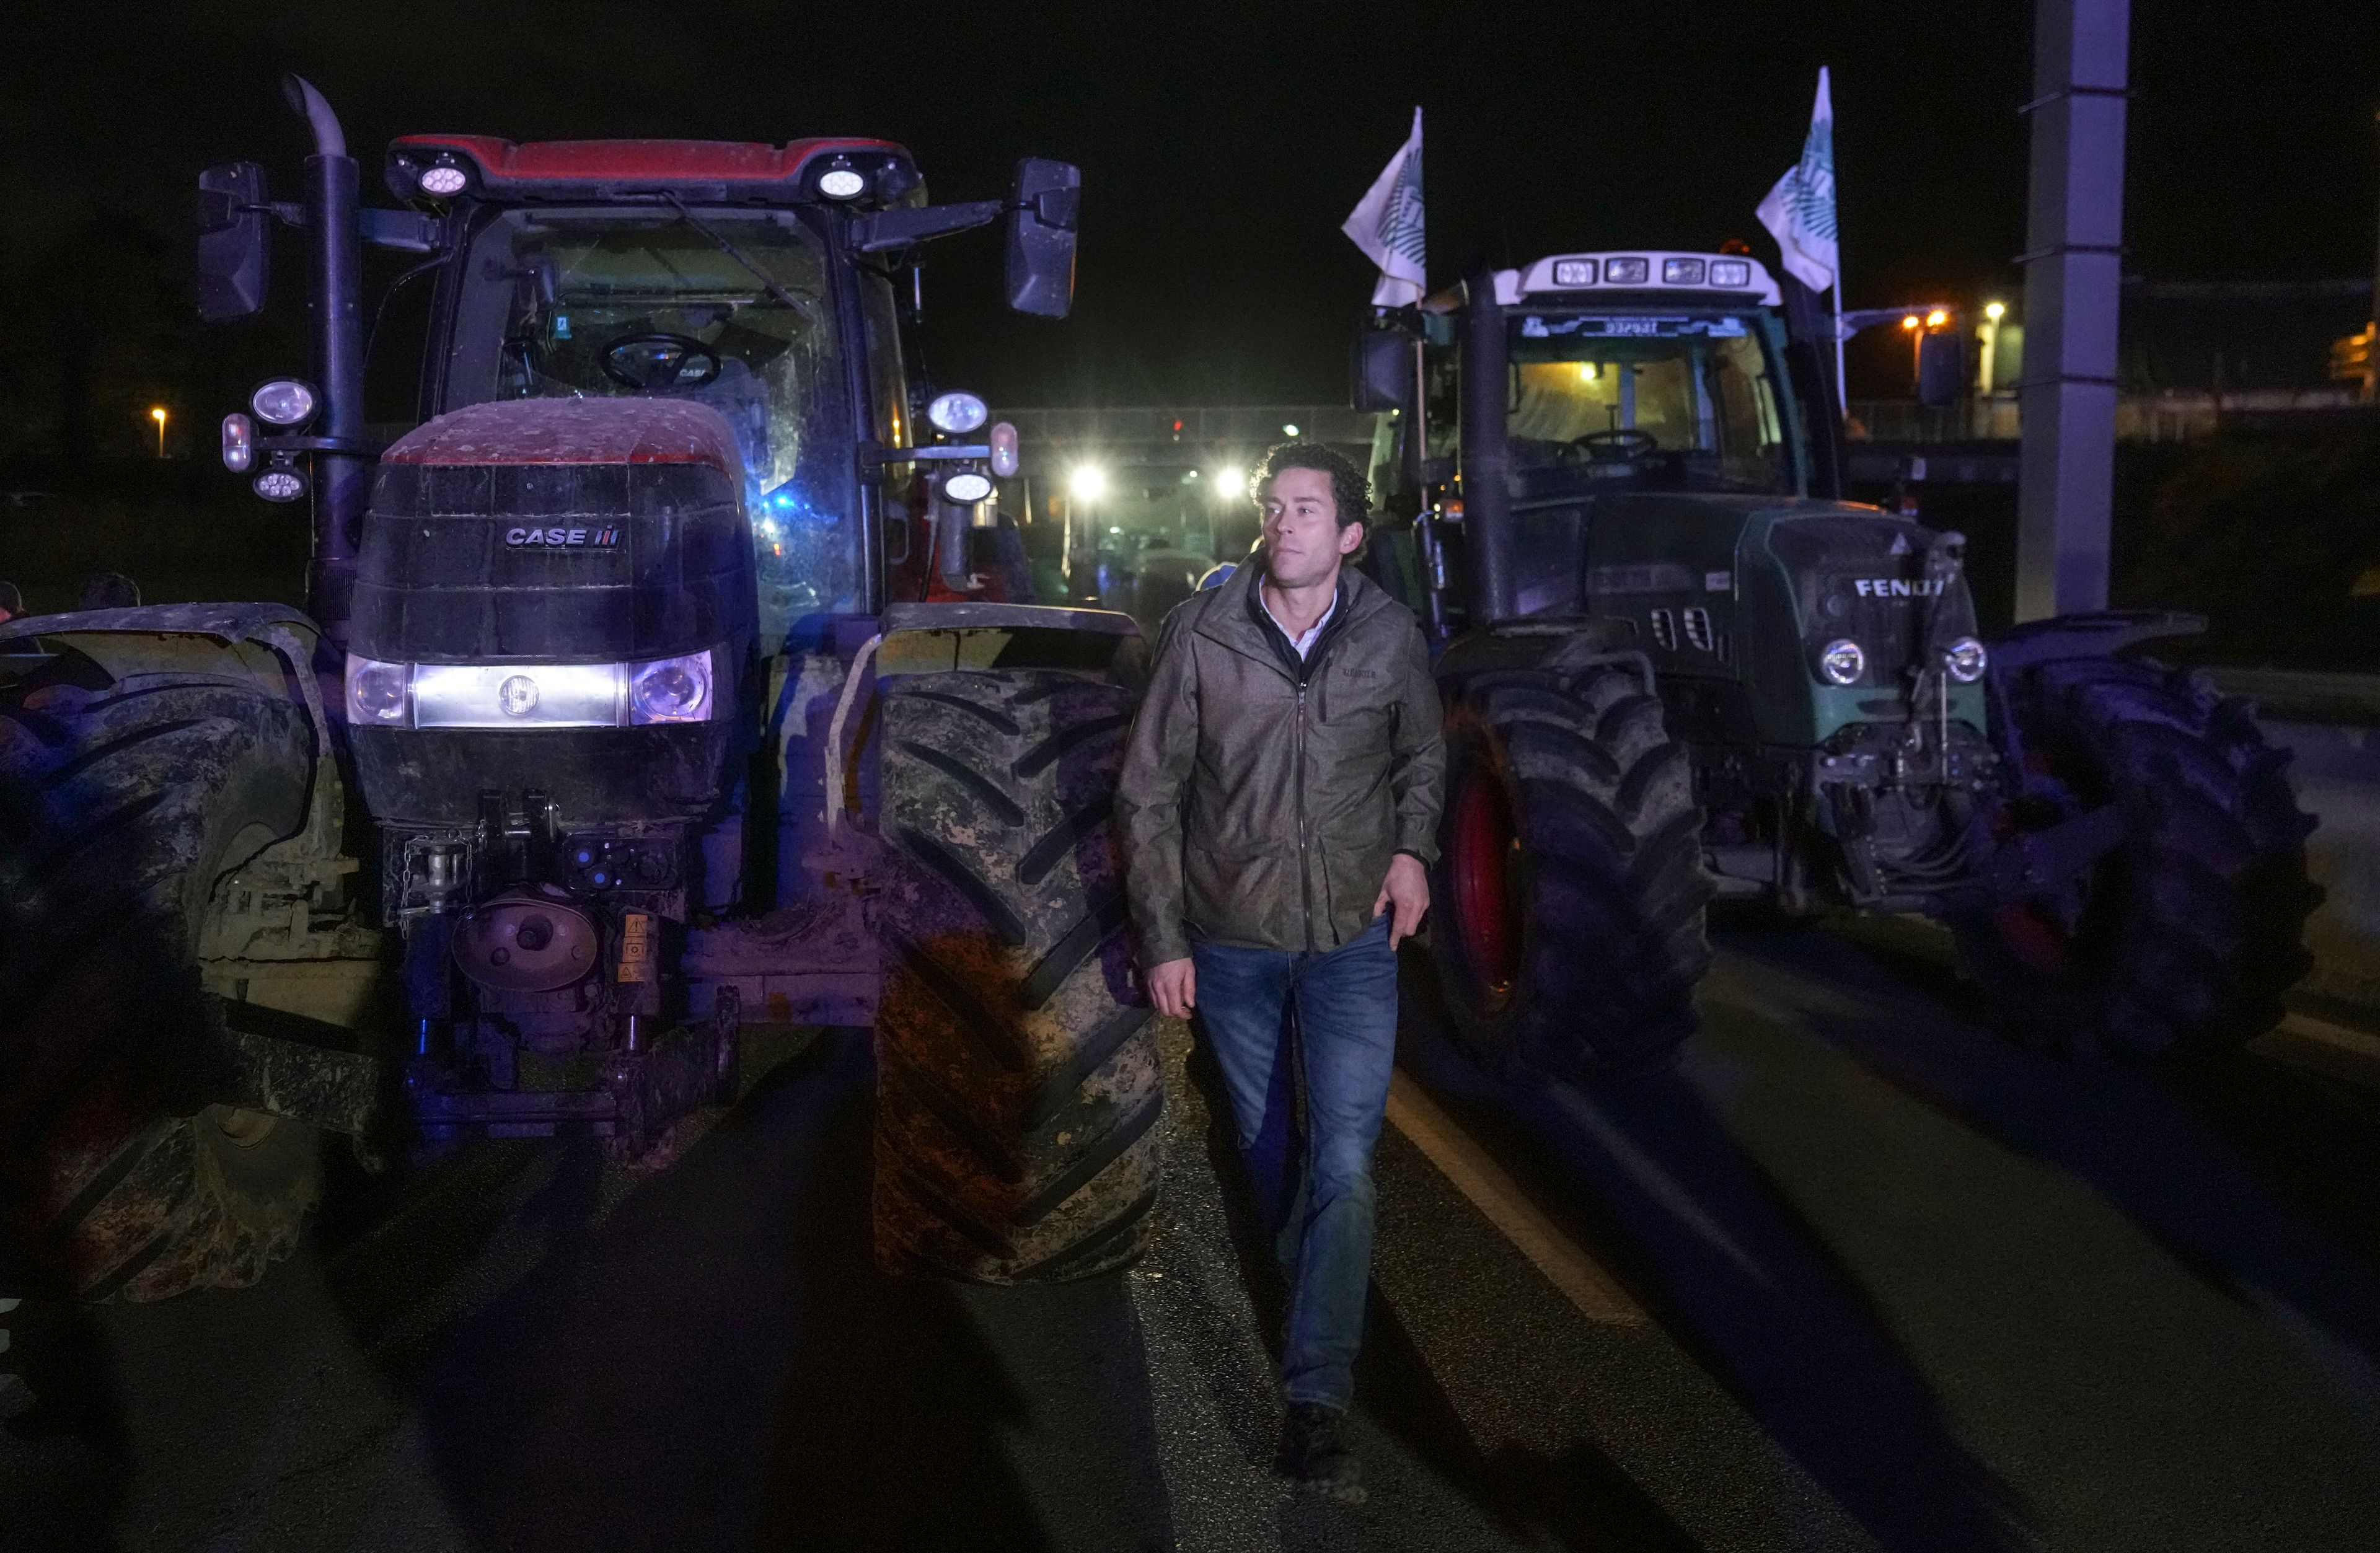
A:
(1221, 146)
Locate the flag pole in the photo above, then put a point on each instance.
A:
(1842, 387)
(1834, 163)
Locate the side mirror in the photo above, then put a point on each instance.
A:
(1941, 370)
(1381, 370)
(235, 242)
(1041, 237)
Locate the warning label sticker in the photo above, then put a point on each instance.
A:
(636, 961)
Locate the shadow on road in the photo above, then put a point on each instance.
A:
(2142, 1138)
(1739, 1279)
(711, 1360)
(1431, 1485)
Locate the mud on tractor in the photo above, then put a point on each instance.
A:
(638, 698)
(1677, 666)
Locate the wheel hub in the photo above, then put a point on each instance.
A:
(1485, 852)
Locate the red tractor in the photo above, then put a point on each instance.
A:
(651, 684)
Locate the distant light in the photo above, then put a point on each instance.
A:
(1586, 371)
(443, 180)
(1910, 321)
(1230, 482)
(1116, 529)
(1289, 431)
(1089, 482)
(1995, 310)
(841, 183)
(158, 415)
(1935, 319)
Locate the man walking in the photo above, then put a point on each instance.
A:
(1280, 805)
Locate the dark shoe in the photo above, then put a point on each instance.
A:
(1315, 1454)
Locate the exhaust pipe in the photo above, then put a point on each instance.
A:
(335, 316)
(1487, 451)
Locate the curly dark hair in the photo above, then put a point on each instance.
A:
(1350, 492)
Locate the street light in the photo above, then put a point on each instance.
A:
(1289, 431)
(157, 414)
(1231, 483)
(1989, 334)
(1089, 482)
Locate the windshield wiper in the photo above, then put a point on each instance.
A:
(767, 281)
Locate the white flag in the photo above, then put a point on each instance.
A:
(1387, 225)
(1800, 211)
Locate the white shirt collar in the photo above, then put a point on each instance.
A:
(1305, 644)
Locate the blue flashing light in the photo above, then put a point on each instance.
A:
(796, 509)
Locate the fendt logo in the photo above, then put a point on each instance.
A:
(562, 538)
(1897, 587)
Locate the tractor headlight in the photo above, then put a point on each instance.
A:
(670, 690)
(967, 486)
(379, 693)
(523, 695)
(283, 402)
(956, 412)
(1966, 659)
(1842, 662)
(279, 484)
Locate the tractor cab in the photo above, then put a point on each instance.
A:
(1621, 384)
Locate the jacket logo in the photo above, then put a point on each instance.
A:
(1897, 587)
(562, 538)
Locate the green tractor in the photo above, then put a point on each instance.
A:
(639, 697)
(1679, 669)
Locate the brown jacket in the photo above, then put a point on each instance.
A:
(1262, 797)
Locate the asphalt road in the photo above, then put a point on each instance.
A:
(1857, 1274)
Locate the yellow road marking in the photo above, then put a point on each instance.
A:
(1483, 1182)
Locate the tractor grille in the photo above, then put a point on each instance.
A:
(480, 562)
(1863, 577)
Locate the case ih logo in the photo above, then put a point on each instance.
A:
(562, 538)
(1897, 587)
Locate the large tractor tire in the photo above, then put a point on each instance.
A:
(1018, 1087)
(1570, 893)
(2182, 939)
(122, 802)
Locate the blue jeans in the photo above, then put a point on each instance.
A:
(1320, 1207)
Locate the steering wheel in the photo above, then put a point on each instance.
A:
(1621, 444)
(652, 362)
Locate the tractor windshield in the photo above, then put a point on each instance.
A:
(561, 305)
(1679, 404)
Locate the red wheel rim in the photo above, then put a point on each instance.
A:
(1485, 842)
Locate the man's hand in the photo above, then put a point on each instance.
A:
(1407, 888)
(1173, 987)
